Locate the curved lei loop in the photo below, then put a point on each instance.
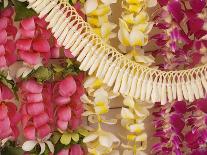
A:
(147, 84)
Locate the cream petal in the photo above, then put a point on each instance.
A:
(107, 2)
(151, 3)
(29, 145)
(105, 140)
(90, 5)
(126, 113)
(136, 37)
(128, 101)
(90, 138)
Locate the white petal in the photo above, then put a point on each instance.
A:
(90, 138)
(90, 5)
(126, 113)
(136, 37)
(42, 148)
(107, 2)
(29, 145)
(105, 140)
(128, 101)
(151, 3)
(50, 146)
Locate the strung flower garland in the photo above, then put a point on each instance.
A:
(134, 29)
(133, 116)
(97, 13)
(182, 46)
(97, 105)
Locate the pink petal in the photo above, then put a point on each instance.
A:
(29, 132)
(2, 50)
(76, 150)
(175, 9)
(8, 12)
(28, 24)
(27, 33)
(201, 104)
(34, 98)
(5, 124)
(11, 30)
(41, 45)
(10, 58)
(43, 131)
(63, 152)
(67, 87)
(74, 123)
(41, 119)
(195, 24)
(41, 22)
(2, 61)
(180, 107)
(62, 100)
(24, 44)
(3, 37)
(35, 108)
(3, 23)
(68, 53)
(197, 5)
(6, 93)
(10, 46)
(30, 57)
(63, 125)
(25, 120)
(64, 113)
(32, 86)
(3, 111)
(55, 52)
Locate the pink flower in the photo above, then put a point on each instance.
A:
(7, 31)
(36, 115)
(76, 150)
(34, 41)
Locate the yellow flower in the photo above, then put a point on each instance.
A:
(101, 142)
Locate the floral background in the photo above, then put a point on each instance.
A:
(48, 106)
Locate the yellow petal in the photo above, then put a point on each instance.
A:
(97, 83)
(129, 18)
(103, 19)
(100, 11)
(134, 1)
(134, 8)
(137, 38)
(129, 101)
(90, 5)
(106, 29)
(75, 137)
(65, 138)
(126, 113)
(137, 127)
(93, 21)
(123, 36)
(131, 137)
(101, 109)
(142, 17)
(142, 137)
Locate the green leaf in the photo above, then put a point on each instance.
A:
(75, 137)
(83, 132)
(9, 150)
(65, 139)
(42, 74)
(57, 68)
(22, 11)
(55, 137)
(69, 62)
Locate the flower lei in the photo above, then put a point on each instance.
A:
(50, 121)
(181, 126)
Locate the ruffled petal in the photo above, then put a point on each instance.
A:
(41, 45)
(67, 87)
(28, 24)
